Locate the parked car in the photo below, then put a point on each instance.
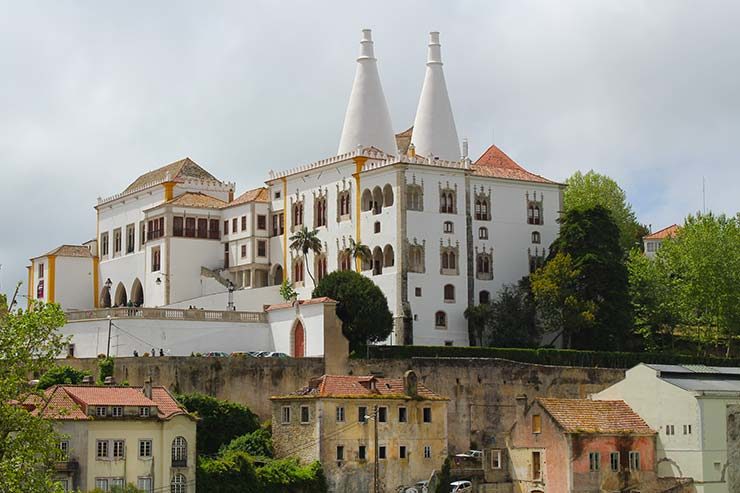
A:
(420, 487)
(256, 354)
(461, 487)
(275, 354)
(216, 354)
(242, 354)
(471, 454)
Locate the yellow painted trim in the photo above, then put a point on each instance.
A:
(169, 190)
(30, 285)
(96, 282)
(359, 163)
(286, 217)
(52, 278)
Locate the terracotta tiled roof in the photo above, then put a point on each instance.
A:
(72, 401)
(312, 301)
(587, 416)
(496, 164)
(664, 233)
(369, 386)
(184, 168)
(256, 195)
(70, 251)
(403, 140)
(196, 199)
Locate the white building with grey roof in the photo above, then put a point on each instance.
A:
(687, 405)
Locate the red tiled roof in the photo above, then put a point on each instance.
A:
(196, 199)
(312, 301)
(587, 416)
(664, 233)
(72, 401)
(351, 386)
(177, 171)
(257, 195)
(495, 163)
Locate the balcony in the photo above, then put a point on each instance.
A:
(166, 314)
(67, 466)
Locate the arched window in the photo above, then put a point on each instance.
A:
(178, 484)
(414, 197)
(453, 260)
(440, 320)
(344, 205)
(387, 195)
(447, 201)
(448, 260)
(481, 209)
(367, 200)
(484, 297)
(298, 270)
(388, 257)
(484, 210)
(530, 214)
(320, 212)
(484, 266)
(345, 261)
(320, 267)
(477, 209)
(416, 258)
(482, 233)
(537, 216)
(535, 236)
(298, 214)
(448, 227)
(377, 200)
(377, 261)
(179, 452)
(449, 293)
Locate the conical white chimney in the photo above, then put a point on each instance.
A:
(434, 127)
(367, 121)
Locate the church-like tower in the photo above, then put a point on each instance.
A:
(434, 127)
(367, 121)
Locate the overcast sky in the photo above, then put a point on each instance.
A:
(92, 94)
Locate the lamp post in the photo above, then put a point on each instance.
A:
(107, 284)
(110, 324)
(376, 454)
(230, 306)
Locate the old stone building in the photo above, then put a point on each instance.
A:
(338, 420)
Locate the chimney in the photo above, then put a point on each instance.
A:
(410, 381)
(147, 389)
(109, 381)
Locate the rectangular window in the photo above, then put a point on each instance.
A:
(594, 461)
(190, 227)
(116, 482)
(156, 265)
(340, 452)
(361, 413)
(244, 251)
(261, 222)
(144, 412)
(381, 452)
(402, 415)
(536, 423)
(687, 429)
(244, 223)
(116, 411)
(64, 447)
(226, 227)
(202, 228)
(101, 447)
(402, 452)
(130, 238)
(285, 414)
(118, 449)
(104, 244)
(536, 465)
(145, 449)
(669, 430)
(495, 459)
(305, 414)
(427, 414)
(278, 223)
(101, 411)
(340, 414)
(65, 484)
(117, 242)
(142, 234)
(382, 414)
(417, 291)
(235, 225)
(177, 227)
(362, 453)
(101, 484)
(634, 461)
(41, 271)
(427, 451)
(614, 461)
(213, 229)
(261, 248)
(144, 484)
(277, 195)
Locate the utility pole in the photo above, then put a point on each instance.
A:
(376, 468)
(110, 323)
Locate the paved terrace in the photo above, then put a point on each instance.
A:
(166, 314)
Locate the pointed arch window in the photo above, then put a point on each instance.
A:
(298, 270)
(440, 320)
(297, 214)
(484, 266)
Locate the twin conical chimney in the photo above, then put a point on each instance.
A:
(434, 127)
(367, 121)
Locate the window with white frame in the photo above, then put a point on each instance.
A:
(179, 452)
(119, 447)
(305, 414)
(427, 451)
(178, 484)
(594, 461)
(634, 460)
(614, 461)
(495, 459)
(144, 412)
(145, 484)
(116, 411)
(64, 447)
(340, 414)
(145, 449)
(285, 415)
(101, 411)
(101, 449)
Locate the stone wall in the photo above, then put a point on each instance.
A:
(733, 448)
(481, 391)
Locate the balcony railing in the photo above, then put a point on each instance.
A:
(167, 314)
(179, 463)
(66, 466)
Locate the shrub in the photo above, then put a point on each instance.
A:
(258, 443)
(105, 368)
(62, 375)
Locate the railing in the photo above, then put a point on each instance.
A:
(166, 314)
(67, 465)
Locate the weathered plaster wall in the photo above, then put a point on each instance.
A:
(482, 391)
(733, 448)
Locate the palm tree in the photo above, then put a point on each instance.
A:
(304, 241)
(358, 251)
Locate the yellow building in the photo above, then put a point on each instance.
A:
(116, 435)
(333, 420)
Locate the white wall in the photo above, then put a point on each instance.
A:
(246, 300)
(282, 322)
(187, 256)
(74, 283)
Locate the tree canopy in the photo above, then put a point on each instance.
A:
(362, 307)
(594, 189)
(62, 375)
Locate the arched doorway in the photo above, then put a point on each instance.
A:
(299, 340)
(137, 293)
(377, 261)
(121, 299)
(277, 275)
(105, 301)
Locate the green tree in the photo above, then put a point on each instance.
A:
(703, 261)
(106, 366)
(62, 375)
(220, 421)
(594, 189)
(304, 241)
(358, 251)
(287, 292)
(362, 307)
(257, 443)
(591, 238)
(29, 344)
(479, 318)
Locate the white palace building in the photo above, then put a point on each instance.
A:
(445, 232)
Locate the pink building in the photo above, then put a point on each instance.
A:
(579, 445)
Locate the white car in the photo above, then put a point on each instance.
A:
(471, 454)
(420, 487)
(461, 487)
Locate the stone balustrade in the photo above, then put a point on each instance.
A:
(166, 314)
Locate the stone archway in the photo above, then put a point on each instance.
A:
(137, 293)
(299, 340)
(105, 300)
(121, 298)
(277, 275)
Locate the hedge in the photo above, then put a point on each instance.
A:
(555, 357)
